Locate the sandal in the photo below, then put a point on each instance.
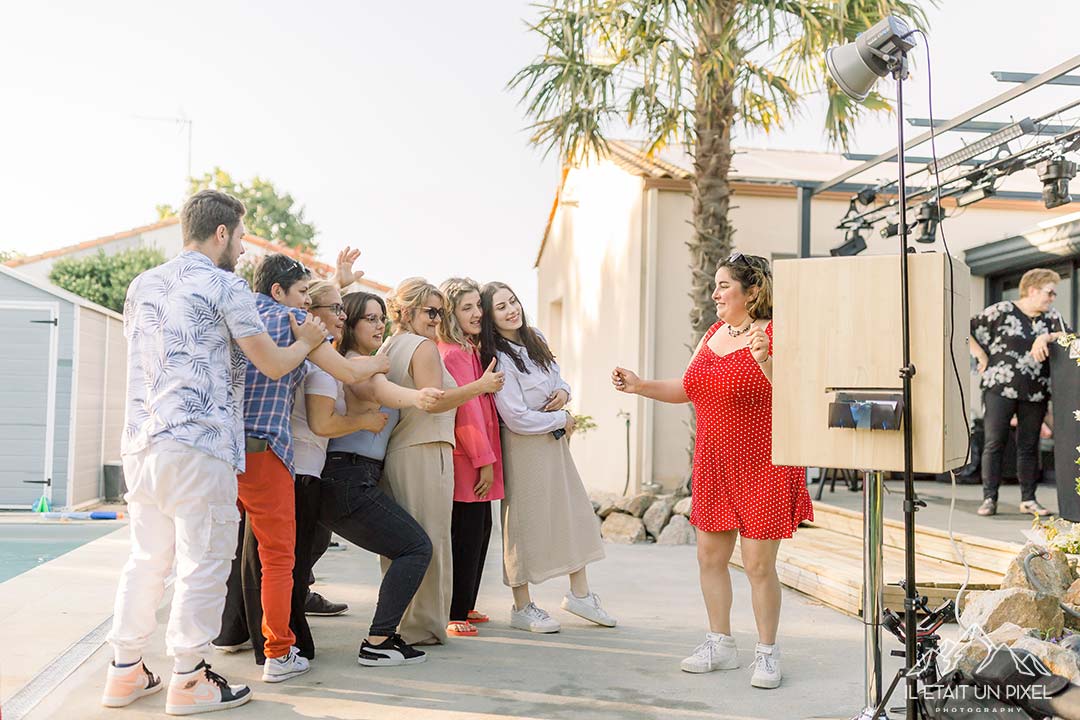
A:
(475, 616)
(461, 629)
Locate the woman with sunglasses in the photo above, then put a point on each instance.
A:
(351, 503)
(419, 470)
(477, 454)
(549, 528)
(737, 492)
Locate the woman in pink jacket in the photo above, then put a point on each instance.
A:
(477, 454)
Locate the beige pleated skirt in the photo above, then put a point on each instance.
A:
(420, 478)
(549, 527)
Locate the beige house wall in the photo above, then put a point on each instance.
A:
(614, 279)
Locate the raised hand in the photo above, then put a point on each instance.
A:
(346, 276)
(492, 381)
(312, 331)
(426, 398)
(625, 380)
(758, 340)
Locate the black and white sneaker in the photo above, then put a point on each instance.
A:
(391, 651)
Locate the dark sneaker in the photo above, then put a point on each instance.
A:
(988, 507)
(391, 651)
(201, 691)
(316, 604)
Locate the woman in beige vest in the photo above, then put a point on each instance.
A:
(419, 469)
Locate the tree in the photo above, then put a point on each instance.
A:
(270, 214)
(6, 255)
(689, 71)
(102, 278)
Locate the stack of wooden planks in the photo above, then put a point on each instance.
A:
(824, 561)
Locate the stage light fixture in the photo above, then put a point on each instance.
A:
(857, 65)
(854, 243)
(986, 144)
(1055, 174)
(867, 196)
(928, 217)
(974, 195)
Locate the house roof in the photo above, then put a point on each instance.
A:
(307, 259)
(764, 171)
(59, 292)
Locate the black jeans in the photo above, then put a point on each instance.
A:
(320, 542)
(242, 617)
(470, 530)
(1029, 417)
(356, 509)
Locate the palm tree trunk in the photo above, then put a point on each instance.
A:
(711, 193)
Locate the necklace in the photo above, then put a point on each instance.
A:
(736, 333)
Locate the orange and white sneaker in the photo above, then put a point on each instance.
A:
(201, 691)
(125, 685)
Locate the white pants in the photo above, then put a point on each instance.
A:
(182, 505)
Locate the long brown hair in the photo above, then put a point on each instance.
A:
(355, 305)
(492, 342)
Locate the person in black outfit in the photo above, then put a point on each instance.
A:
(1010, 342)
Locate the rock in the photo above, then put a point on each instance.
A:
(658, 514)
(1054, 575)
(967, 656)
(992, 609)
(603, 502)
(622, 528)
(679, 531)
(1072, 595)
(635, 505)
(1072, 643)
(1058, 660)
(683, 507)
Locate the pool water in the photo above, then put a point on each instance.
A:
(24, 546)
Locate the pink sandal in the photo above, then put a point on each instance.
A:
(461, 629)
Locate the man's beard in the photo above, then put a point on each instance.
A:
(226, 262)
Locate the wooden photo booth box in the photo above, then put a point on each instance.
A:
(837, 341)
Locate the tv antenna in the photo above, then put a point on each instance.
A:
(182, 120)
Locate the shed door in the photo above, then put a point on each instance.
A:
(27, 401)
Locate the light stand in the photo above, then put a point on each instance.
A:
(882, 50)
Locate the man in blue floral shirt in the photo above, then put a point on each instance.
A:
(189, 324)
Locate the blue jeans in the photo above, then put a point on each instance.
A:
(356, 509)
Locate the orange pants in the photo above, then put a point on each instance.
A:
(266, 494)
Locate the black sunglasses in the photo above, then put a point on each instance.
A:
(751, 261)
(432, 313)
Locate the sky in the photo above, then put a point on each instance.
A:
(389, 122)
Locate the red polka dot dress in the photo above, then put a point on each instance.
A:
(736, 486)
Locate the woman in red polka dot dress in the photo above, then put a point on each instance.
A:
(737, 489)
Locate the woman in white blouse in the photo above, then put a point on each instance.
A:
(549, 528)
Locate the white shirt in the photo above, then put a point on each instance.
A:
(185, 374)
(309, 449)
(524, 393)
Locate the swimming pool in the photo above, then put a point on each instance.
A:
(25, 545)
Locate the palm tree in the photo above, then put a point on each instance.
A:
(689, 71)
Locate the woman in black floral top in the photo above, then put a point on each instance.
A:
(1010, 341)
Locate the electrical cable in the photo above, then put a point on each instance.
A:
(952, 332)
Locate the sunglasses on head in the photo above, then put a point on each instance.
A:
(751, 261)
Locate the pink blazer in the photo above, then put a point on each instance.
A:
(476, 429)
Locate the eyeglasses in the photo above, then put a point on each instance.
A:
(432, 313)
(374, 319)
(335, 308)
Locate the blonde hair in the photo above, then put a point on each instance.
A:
(1036, 278)
(453, 291)
(319, 289)
(409, 295)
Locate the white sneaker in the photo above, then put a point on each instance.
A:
(718, 652)
(766, 667)
(230, 649)
(587, 607)
(533, 619)
(283, 668)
